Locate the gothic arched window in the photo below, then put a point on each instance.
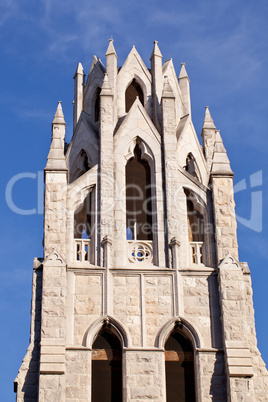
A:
(138, 198)
(84, 230)
(195, 223)
(82, 220)
(179, 362)
(196, 230)
(133, 90)
(106, 368)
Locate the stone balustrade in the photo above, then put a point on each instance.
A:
(196, 252)
(82, 249)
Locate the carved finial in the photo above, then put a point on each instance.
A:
(208, 121)
(183, 72)
(59, 116)
(111, 49)
(156, 51)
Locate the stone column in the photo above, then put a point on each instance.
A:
(170, 160)
(224, 216)
(185, 89)
(209, 137)
(79, 82)
(157, 83)
(235, 329)
(107, 247)
(53, 322)
(106, 167)
(174, 244)
(223, 202)
(56, 189)
(144, 375)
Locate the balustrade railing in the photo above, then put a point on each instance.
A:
(196, 250)
(140, 251)
(82, 250)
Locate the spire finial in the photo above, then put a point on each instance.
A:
(106, 88)
(111, 49)
(183, 72)
(156, 50)
(167, 90)
(208, 121)
(59, 116)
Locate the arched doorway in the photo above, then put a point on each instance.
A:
(106, 368)
(179, 364)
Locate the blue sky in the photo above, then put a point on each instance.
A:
(224, 45)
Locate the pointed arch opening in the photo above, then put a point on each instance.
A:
(132, 92)
(179, 366)
(196, 230)
(107, 366)
(138, 198)
(84, 229)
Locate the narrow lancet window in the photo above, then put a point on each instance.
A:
(82, 220)
(106, 368)
(196, 232)
(133, 90)
(195, 223)
(84, 230)
(179, 362)
(138, 198)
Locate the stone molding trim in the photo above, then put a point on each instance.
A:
(238, 359)
(54, 259)
(52, 356)
(114, 324)
(192, 333)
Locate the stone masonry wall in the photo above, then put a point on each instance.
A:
(87, 303)
(197, 305)
(55, 213)
(212, 384)
(28, 376)
(145, 376)
(78, 375)
(224, 215)
(126, 304)
(158, 305)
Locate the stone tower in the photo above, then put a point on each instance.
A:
(140, 294)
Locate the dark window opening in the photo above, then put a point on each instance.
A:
(97, 105)
(82, 219)
(179, 362)
(85, 164)
(191, 167)
(106, 368)
(195, 223)
(138, 198)
(133, 90)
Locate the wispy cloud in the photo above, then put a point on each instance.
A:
(33, 114)
(8, 9)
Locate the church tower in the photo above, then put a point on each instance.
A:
(140, 294)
